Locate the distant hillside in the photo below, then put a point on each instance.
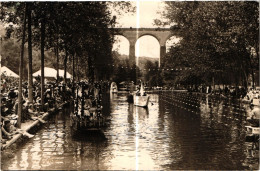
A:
(141, 60)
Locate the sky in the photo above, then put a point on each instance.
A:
(146, 12)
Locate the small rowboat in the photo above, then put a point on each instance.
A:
(140, 98)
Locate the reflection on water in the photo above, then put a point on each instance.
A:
(176, 131)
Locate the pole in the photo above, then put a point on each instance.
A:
(21, 72)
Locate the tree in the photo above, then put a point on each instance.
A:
(21, 70)
(30, 80)
(82, 29)
(219, 36)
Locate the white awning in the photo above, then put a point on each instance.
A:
(48, 72)
(7, 72)
(51, 73)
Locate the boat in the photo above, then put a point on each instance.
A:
(140, 98)
(113, 88)
(91, 119)
(87, 114)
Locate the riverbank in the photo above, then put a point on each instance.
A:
(27, 126)
(211, 95)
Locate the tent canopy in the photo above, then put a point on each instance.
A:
(61, 74)
(51, 73)
(48, 72)
(7, 72)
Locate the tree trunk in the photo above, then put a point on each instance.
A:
(257, 56)
(252, 73)
(20, 105)
(73, 74)
(30, 78)
(77, 68)
(57, 63)
(90, 69)
(42, 58)
(65, 66)
(73, 69)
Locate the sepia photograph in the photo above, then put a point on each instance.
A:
(129, 85)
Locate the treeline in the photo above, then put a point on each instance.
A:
(11, 57)
(219, 42)
(123, 70)
(76, 31)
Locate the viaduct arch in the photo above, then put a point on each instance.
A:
(133, 34)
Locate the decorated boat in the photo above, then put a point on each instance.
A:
(87, 114)
(140, 98)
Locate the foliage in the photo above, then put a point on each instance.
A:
(218, 39)
(80, 29)
(10, 57)
(122, 70)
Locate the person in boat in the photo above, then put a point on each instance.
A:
(254, 115)
(138, 91)
(141, 89)
(132, 87)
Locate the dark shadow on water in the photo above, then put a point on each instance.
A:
(89, 135)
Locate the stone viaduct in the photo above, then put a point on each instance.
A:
(133, 34)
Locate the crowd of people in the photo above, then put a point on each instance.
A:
(54, 94)
(232, 91)
(239, 92)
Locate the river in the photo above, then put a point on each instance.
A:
(176, 131)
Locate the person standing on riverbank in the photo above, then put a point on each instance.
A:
(254, 115)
